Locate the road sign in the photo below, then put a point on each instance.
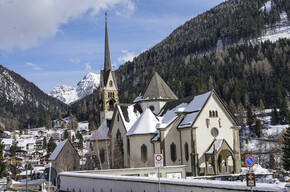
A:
(158, 160)
(250, 161)
(251, 181)
(53, 174)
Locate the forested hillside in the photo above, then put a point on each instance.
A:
(22, 104)
(189, 61)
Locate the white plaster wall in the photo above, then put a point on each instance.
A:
(118, 125)
(108, 183)
(203, 134)
(107, 87)
(156, 147)
(157, 105)
(136, 141)
(186, 137)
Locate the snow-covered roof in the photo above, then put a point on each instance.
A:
(145, 124)
(217, 144)
(188, 120)
(101, 133)
(197, 103)
(57, 150)
(169, 116)
(7, 141)
(129, 115)
(24, 142)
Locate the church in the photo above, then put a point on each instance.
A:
(198, 132)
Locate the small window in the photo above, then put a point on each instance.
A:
(186, 151)
(143, 153)
(119, 137)
(210, 113)
(111, 83)
(151, 107)
(102, 155)
(216, 114)
(173, 152)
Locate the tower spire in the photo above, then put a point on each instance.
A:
(107, 64)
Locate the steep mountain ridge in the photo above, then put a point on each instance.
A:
(21, 102)
(68, 94)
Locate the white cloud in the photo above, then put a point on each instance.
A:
(88, 67)
(127, 56)
(76, 60)
(25, 23)
(34, 66)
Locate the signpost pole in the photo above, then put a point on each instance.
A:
(49, 177)
(158, 163)
(158, 179)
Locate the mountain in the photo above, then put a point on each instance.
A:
(226, 48)
(68, 94)
(23, 103)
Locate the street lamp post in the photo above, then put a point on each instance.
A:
(26, 158)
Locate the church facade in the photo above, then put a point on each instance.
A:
(198, 132)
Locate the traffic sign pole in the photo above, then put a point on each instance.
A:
(158, 163)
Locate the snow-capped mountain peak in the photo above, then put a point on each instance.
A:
(68, 94)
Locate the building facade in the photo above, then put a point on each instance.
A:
(198, 132)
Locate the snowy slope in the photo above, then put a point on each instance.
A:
(68, 94)
(281, 30)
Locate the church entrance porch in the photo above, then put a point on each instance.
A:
(219, 158)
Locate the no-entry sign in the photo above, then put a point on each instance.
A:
(250, 161)
(158, 160)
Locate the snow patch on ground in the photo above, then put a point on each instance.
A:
(282, 30)
(267, 7)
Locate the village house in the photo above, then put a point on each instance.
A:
(65, 157)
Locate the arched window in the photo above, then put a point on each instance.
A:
(173, 152)
(210, 113)
(143, 153)
(111, 105)
(186, 151)
(216, 114)
(118, 137)
(111, 83)
(102, 155)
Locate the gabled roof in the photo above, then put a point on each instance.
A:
(146, 124)
(193, 109)
(218, 145)
(102, 132)
(156, 89)
(129, 114)
(57, 150)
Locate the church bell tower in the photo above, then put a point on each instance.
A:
(108, 95)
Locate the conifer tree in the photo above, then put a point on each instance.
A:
(258, 128)
(65, 135)
(284, 114)
(274, 117)
(286, 149)
(250, 117)
(2, 163)
(51, 145)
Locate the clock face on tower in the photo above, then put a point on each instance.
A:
(214, 132)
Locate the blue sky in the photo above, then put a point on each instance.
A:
(59, 42)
